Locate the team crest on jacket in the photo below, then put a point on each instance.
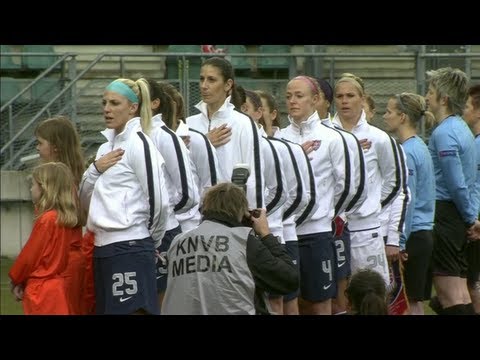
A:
(316, 144)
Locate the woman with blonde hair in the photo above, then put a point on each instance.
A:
(403, 116)
(332, 172)
(384, 181)
(126, 190)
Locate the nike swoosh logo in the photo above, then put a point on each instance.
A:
(159, 276)
(326, 287)
(341, 264)
(125, 299)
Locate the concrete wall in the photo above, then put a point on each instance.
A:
(16, 212)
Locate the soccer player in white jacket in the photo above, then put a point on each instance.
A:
(233, 134)
(383, 179)
(355, 200)
(275, 181)
(300, 185)
(128, 203)
(331, 167)
(181, 186)
(299, 181)
(203, 156)
(275, 190)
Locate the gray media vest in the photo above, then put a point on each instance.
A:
(208, 272)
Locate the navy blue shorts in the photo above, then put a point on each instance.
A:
(342, 255)
(317, 267)
(162, 265)
(125, 278)
(292, 250)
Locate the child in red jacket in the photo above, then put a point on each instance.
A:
(36, 276)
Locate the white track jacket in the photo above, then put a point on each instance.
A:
(130, 199)
(331, 167)
(243, 147)
(182, 189)
(383, 175)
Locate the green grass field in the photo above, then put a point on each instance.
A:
(8, 305)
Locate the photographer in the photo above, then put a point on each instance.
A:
(223, 267)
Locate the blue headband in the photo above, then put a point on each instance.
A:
(122, 89)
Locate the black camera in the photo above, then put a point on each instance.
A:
(240, 175)
(253, 213)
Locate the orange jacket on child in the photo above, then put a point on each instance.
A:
(89, 281)
(39, 266)
(74, 274)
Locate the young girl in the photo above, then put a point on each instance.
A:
(37, 274)
(367, 293)
(58, 140)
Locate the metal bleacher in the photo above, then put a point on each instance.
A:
(278, 65)
(174, 62)
(241, 64)
(9, 88)
(385, 69)
(9, 62)
(40, 62)
(30, 92)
